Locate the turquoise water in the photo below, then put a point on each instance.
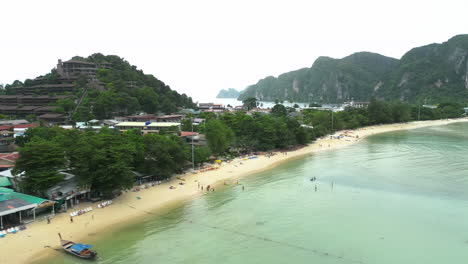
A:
(399, 197)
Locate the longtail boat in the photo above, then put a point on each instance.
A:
(77, 249)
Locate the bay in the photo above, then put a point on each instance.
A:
(397, 197)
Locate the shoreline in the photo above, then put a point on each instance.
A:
(127, 208)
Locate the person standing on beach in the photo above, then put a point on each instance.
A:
(48, 219)
(71, 219)
(208, 188)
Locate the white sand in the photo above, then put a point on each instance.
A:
(29, 245)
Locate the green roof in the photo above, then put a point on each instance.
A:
(27, 198)
(4, 181)
(6, 190)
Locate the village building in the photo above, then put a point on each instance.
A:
(354, 104)
(210, 107)
(13, 122)
(9, 132)
(8, 160)
(53, 119)
(149, 127)
(193, 137)
(169, 118)
(68, 192)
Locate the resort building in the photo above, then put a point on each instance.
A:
(53, 119)
(78, 67)
(149, 127)
(138, 118)
(169, 118)
(150, 118)
(354, 104)
(26, 100)
(44, 89)
(13, 122)
(210, 107)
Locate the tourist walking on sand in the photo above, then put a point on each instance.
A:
(71, 219)
(48, 219)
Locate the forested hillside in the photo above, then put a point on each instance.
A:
(430, 74)
(119, 88)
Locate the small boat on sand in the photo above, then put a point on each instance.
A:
(77, 249)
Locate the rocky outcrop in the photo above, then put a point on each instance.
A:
(229, 93)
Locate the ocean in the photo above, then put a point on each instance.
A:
(397, 197)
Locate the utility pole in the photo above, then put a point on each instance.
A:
(193, 156)
(332, 119)
(419, 111)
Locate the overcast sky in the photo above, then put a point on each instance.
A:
(199, 47)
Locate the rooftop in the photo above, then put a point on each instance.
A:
(11, 201)
(4, 182)
(13, 122)
(80, 62)
(186, 134)
(144, 124)
(169, 116)
(11, 157)
(51, 116)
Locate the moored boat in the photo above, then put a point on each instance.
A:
(77, 249)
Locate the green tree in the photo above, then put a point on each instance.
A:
(66, 104)
(250, 103)
(202, 154)
(279, 110)
(39, 160)
(379, 112)
(103, 161)
(164, 155)
(186, 124)
(218, 135)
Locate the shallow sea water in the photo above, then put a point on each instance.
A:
(398, 197)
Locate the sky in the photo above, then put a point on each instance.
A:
(199, 47)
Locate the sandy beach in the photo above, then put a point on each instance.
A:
(40, 238)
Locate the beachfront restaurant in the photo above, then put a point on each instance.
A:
(68, 192)
(14, 207)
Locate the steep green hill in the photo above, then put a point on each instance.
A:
(430, 74)
(128, 90)
(119, 88)
(328, 80)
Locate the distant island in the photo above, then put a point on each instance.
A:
(229, 93)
